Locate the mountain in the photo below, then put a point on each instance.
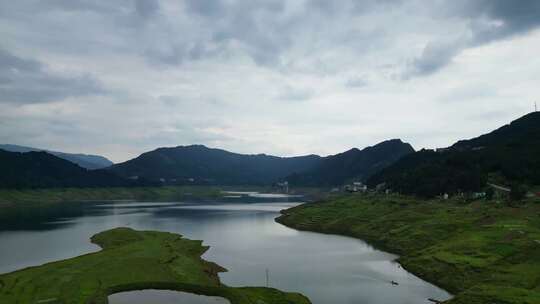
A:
(84, 160)
(44, 170)
(510, 154)
(353, 164)
(201, 165)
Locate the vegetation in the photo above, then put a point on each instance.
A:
(510, 152)
(83, 160)
(198, 164)
(517, 192)
(54, 195)
(353, 164)
(44, 170)
(131, 260)
(483, 252)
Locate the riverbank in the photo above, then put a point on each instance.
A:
(131, 260)
(55, 195)
(11, 197)
(482, 252)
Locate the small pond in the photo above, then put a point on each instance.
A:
(150, 296)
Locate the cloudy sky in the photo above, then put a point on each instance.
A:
(283, 77)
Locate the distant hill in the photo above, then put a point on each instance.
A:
(353, 164)
(84, 160)
(44, 170)
(202, 165)
(511, 152)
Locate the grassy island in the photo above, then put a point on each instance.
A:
(482, 252)
(131, 260)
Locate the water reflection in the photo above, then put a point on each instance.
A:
(244, 239)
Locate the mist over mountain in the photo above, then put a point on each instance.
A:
(87, 161)
(507, 155)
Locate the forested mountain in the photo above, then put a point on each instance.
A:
(352, 164)
(44, 170)
(87, 161)
(201, 165)
(511, 152)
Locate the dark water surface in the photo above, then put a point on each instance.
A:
(243, 237)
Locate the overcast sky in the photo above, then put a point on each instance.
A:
(281, 77)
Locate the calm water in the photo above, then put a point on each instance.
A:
(243, 237)
(163, 297)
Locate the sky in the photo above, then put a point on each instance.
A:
(282, 77)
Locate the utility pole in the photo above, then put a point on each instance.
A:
(535, 108)
(267, 278)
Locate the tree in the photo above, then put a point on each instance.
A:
(517, 192)
(490, 193)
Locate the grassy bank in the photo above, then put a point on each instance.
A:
(131, 260)
(483, 252)
(44, 196)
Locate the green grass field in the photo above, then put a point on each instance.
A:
(131, 260)
(482, 252)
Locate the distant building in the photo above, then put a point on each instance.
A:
(355, 187)
(477, 195)
(380, 187)
(284, 186)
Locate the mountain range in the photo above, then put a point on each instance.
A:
(510, 154)
(202, 165)
(44, 170)
(198, 164)
(352, 165)
(507, 155)
(195, 164)
(87, 161)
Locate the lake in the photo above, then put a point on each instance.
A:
(243, 236)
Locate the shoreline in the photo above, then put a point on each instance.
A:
(432, 249)
(132, 260)
(377, 246)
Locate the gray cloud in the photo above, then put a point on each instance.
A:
(498, 19)
(147, 8)
(291, 93)
(435, 56)
(356, 82)
(28, 81)
(489, 21)
(278, 75)
(209, 8)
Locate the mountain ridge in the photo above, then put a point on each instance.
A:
(88, 161)
(509, 154)
(33, 169)
(201, 164)
(353, 164)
